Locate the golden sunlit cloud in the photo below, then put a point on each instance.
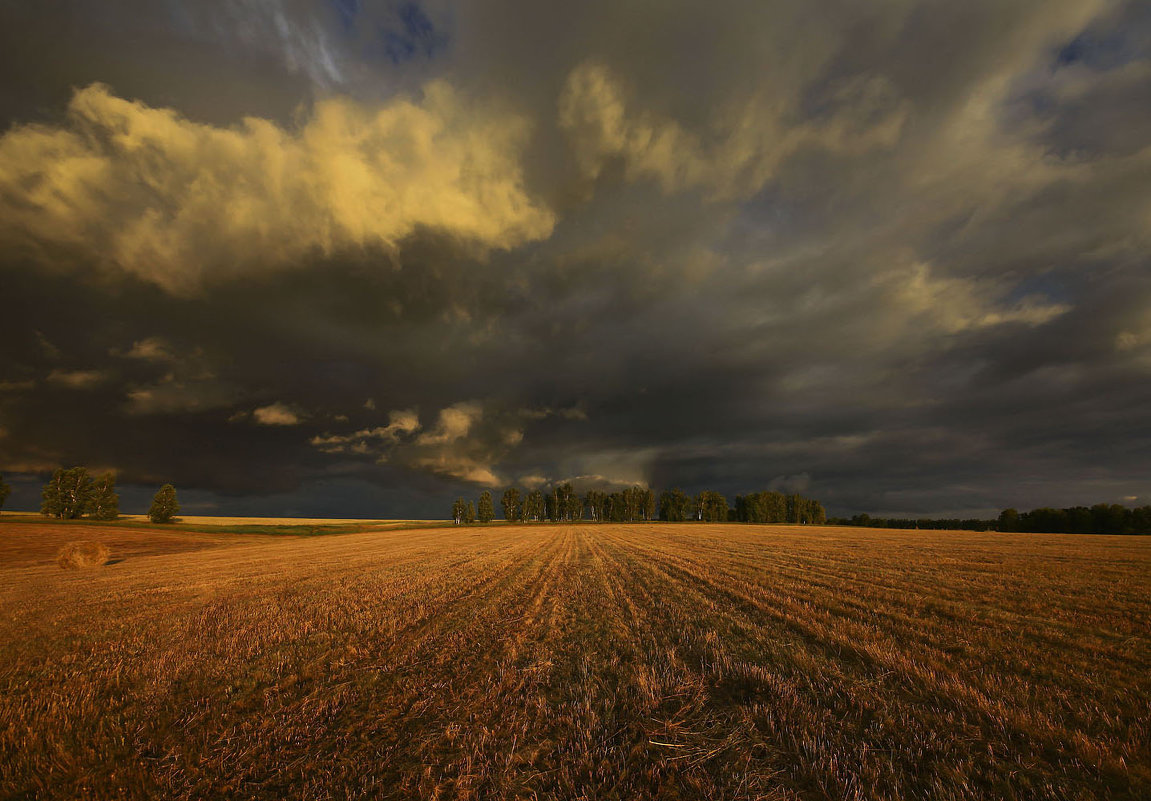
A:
(276, 414)
(179, 203)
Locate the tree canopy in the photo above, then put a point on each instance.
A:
(512, 506)
(68, 494)
(164, 505)
(485, 512)
(104, 503)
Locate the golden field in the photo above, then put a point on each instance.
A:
(576, 661)
(215, 520)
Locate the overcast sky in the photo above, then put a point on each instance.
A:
(355, 258)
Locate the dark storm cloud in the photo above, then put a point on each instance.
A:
(357, 258)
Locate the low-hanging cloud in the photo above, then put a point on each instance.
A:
(468, 442)
(188, 382)
(180, 203)
(402, 424)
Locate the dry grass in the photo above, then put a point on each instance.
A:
(83, 554)
(630, 661)
(209, 520)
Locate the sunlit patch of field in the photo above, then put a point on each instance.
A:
(209, 520)
(612, 661)
(213, 526)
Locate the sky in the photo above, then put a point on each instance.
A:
(355, 259)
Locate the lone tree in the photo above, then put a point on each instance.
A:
(164, 505)
(511, 505)
(459, 511)
(486, 512)
(67, 495)
(470, 514)
(104, 503)
(5, 491)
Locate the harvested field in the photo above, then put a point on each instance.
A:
(215, 520)
(607, 661)
(31, 544)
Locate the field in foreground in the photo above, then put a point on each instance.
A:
(613, 661)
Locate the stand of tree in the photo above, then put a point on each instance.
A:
(639, 504)
(775, 507)
(71, 493)
(1102, 518)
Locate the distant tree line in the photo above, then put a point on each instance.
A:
(939, 523)
(638, 504)
(1102, 518)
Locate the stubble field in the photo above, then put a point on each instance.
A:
(596, 662)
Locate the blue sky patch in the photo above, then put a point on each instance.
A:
(414, 35)
(349, 11)
(1123, 38)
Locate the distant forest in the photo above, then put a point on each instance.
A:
(639, 504)
(1102, 518)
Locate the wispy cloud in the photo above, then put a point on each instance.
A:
(76, 379)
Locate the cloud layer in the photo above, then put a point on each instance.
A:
(361, 258)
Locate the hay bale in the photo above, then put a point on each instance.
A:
(83, 554)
